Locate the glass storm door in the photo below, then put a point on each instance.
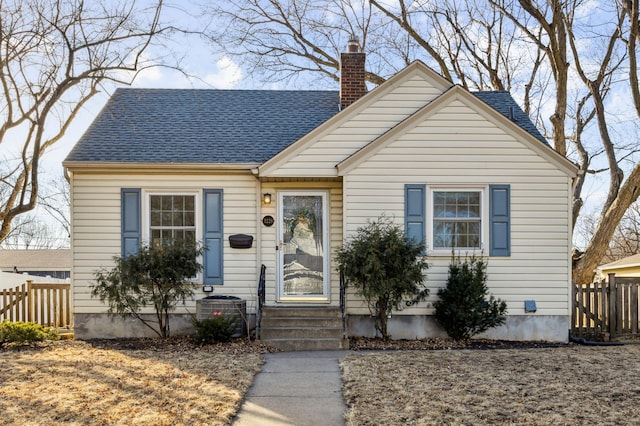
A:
(303, 259)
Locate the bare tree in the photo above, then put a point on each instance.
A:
(56, 201)
(278, 40)
(30, 232)
(54, 57)
(626, 238)
(600, 69)
(49, 224)
(547, 52)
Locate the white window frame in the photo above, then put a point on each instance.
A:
(484, 219)
(146, 215)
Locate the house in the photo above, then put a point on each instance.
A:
(626, 267)
(54, 263)
(300, 171)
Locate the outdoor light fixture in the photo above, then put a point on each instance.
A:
(266, 199)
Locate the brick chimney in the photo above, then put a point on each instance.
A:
(352, 85)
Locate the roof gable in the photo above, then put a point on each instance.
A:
(201, 126)
(627, 262)
(416, 70)
(458, 93)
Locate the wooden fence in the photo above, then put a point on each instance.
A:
(606, 309)
(45, 304)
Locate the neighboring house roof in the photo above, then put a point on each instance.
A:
(201, 125)
(627, 262)
(34, 260)
(220, 126)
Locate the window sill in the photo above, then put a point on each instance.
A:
(459, 252)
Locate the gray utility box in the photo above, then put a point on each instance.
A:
(227, 306)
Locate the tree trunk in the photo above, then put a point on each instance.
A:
(382, 318)
(585, 264)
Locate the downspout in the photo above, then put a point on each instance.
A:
(65, 173)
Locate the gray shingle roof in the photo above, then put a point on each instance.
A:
(502, 102)
(220, 126)
(201, 126)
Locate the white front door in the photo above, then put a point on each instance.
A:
(303, 246)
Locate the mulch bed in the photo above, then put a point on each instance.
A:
(378, 344)
(180, 343)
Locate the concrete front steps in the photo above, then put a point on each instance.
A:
(303, 328)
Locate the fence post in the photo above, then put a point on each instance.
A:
(29, 297)
(574, 308)
(612, 304)
(634, 309)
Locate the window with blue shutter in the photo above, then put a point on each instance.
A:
(456, 220)
(415, 211)
(213, 238)
(131, 221)
(499, 220)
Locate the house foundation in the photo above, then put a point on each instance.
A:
(548, 328)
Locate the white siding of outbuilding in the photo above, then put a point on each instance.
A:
(96, 226)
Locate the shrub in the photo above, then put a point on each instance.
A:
(463, 309)
(157, 276)
(25, 332)
(385, 267)
(218, 328)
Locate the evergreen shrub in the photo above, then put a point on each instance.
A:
(463, 308)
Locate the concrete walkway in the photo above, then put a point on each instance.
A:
(295, 388)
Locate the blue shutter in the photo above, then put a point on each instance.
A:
(213, 242)
(499, 220)
(130, 221)
(415, 212)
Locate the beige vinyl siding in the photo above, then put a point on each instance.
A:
(621, 271)
(96, 227)
(457, 147)
(269, 255)
(320, 158)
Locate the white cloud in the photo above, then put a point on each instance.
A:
(586, 9)
(229, 74)
(150, 75)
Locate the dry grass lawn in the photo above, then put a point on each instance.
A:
(542, 386)
(144, 383)
(80, 383)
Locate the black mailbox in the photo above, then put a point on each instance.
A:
(240, 241)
